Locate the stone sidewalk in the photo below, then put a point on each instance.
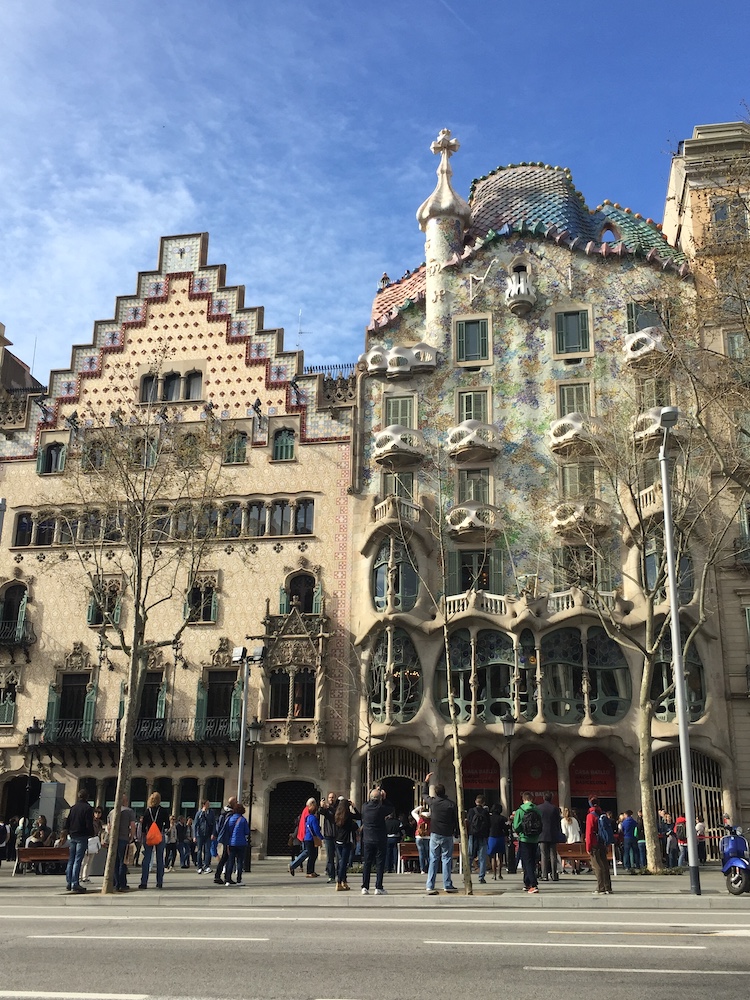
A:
(270, 885)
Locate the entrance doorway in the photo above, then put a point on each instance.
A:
(285, 803)
(481, 776)
(400, 792)
(534, 771)
(14, 796)
(592, 773)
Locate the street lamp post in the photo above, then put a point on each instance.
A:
(254, 731)
(33, 737)
(509, 729)
(667, 421)
(241, 655)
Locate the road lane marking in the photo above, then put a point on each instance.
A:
(40, 995)
(132, 937)
(568, 944)
(599, 971)
(695, 933)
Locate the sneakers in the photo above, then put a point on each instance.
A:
(365, 892)
(483, 881)
(291, 871)
(380, 892)
(432, 892)
(339, 887)
(79, 888)
(229, 882)
(207, 871)
(219, 881)
(330, 881)
(532, 890)
(199, 871)
(451, 888)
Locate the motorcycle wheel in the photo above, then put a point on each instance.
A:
(738, 881)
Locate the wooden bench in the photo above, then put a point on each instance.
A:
(578, 852)
(37, 855)
(408, 849)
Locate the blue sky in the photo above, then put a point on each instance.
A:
(297, 135)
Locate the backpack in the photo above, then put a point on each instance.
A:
(479, 822)
(680, 831)
(531, 824)
(604, 830)
(3, 834)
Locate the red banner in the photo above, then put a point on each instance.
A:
(479, 770)
(536, 772)
(593, 773)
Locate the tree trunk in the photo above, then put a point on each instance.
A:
(645, 771)
(465, 859)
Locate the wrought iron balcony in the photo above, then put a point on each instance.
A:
(213, 730)
(14, 634)
(474, 520)
(397, 447)
(473, 441)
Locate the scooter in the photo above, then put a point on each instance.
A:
(734, 861)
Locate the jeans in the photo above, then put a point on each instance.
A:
(423, 846)
(147, 852)
(527, 853)
(343, 853)
(183, 849)
(121, 869)
(478, 845)
(236, 862)
(373, 851)
(204, 852)
(330, 843)
(629, 853)
(683, 859)
(441, 848)
(76, 852)
(642, 852)
(600, 865)
(309, 853)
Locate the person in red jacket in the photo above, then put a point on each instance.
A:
(597, 850)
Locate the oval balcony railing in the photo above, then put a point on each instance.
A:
(474, 519)
(520, 294)
(475, 600)
(395, 508)
(397, 446)
(645, 348)
(399, 362)
(573, 517)
(573, 434)
(473, 441)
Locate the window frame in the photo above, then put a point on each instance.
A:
(477, 475)
(564, 387)
(284, 445)
(392, 401)
(560, 346)
(483, 350)
(473, 397)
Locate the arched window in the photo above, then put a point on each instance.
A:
(45, 531)
(256, 519)
(281, 517)
(662, 680)
(193, 385)
(495, 664)
(459, 651)
(215, 792)
(235, 450)
(189, 449)
(231, 521)
(562, 675)
(405, 679)
(170, 391)
(527, 675)
(51, 460)
(279, 690)
(394, 561)
(95, 455)
(144, 450)
(69, 522)
(302, 587)
(283, 446)
(304, 694)
(303, 517)
(610, 686)
(24, 529)
(149, 385)
(13, 602)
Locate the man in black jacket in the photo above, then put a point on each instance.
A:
(550, 838)
(443, 828)
(79, 826)
(375, 839)
(326, 814)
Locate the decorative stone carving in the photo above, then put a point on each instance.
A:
(262, 759)
(472, 441)
(572, 434)
(322, 759)
(574, 517)
(397, 446)
(520, 295)
(79, 658)
(222, 655)
(399, 362)
(474, 519)
(645, 347)
(291, 758)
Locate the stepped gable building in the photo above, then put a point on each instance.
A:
(183, 364)
(492, 496)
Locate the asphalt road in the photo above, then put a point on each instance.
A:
(219, 953)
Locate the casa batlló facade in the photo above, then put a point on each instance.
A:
(452, 501)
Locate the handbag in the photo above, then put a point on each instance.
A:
(317, 842)
(93, 845)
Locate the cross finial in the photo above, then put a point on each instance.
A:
(444, 143)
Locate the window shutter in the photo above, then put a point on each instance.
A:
(53, 714)
(40, 461)
(214, 606)
(583, 328)
(161, 700)
(61, 458)
(200, 711)
(460, 341)
(560, 322)
(116, 611)
(235, 711)
(91, 611)
(283, 601)
(453, 574)
(186, 610)
(89, 712)
(317, 603)
(21, 620)
(483, 339)
(497, 582)
(121, 710)
(631, 316)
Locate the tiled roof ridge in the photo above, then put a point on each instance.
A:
(522, 163)
(404, 277)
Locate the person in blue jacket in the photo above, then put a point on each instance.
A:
(239, 837)
(309, 849)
